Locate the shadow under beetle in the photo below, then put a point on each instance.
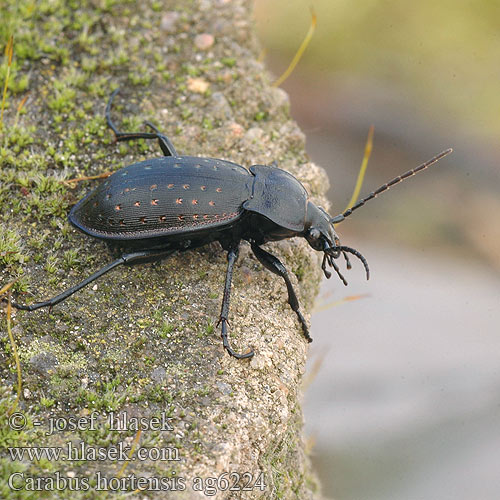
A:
(155, 207)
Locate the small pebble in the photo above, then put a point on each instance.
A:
(197, 85)
(168, 21)
(254, 134)
(236, 129)
(220, 109)
(204, 41)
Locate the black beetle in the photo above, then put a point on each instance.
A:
(161, 205)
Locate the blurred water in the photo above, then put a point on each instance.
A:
(406, 404)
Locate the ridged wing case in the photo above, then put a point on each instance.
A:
(163, 196)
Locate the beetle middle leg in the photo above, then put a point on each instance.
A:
(274, 265)
(165, 144)
(129, 258)
(232, 255)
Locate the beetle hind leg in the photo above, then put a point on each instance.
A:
(274, 265)
(130, 259)
(166, 146)
(232, 255)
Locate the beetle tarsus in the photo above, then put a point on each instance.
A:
(225, 342)
(305, 328)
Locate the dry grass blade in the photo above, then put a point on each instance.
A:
(313, 372)
(9, 52)
(299, 53)
(3, 291)
(362, 170)
(130, 453)
(69, 182)
(334, 303)
(19, 108)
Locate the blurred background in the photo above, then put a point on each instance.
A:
(403, 400)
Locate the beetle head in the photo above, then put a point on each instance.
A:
(319, 226)
(320, 234)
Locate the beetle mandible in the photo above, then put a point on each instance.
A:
(174, 203)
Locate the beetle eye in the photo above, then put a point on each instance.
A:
(314, 233)
(315, 239)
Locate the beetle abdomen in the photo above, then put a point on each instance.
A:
(164, 196)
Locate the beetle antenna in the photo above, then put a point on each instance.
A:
(386, 186)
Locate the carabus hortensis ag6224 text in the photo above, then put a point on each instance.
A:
(174, 203)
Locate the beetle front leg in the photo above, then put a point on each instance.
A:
(232, 255)
(274, 265)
